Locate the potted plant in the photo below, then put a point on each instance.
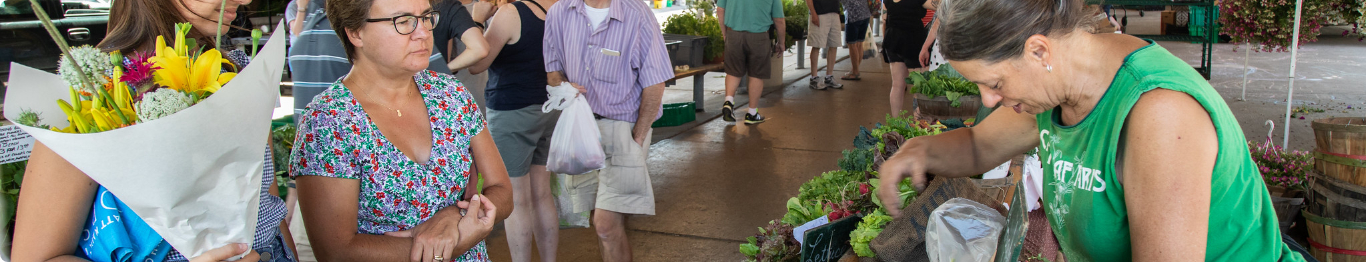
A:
(699, 22)
(943, 93)
(1284, 173)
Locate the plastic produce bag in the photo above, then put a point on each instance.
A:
(962, 230)
(576, 146)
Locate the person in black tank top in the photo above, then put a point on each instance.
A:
(516, 90)
(904, 35)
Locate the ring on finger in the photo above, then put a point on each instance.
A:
(438, 258)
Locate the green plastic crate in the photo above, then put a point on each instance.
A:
(676, 114)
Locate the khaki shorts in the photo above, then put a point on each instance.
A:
(749, 54)
(827, 34)
(624, 185)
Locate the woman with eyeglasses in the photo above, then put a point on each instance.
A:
(385, 159)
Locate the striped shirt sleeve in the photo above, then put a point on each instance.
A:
(552, 48)
(653, 64)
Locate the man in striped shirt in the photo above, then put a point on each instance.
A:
(316, 56)
(613, 52)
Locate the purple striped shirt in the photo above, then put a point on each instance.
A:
(615, 62)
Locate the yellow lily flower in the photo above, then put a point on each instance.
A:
(178, 72)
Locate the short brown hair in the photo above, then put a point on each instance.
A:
(995, 30)
(348, 15)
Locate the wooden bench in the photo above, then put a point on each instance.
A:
(697, 73)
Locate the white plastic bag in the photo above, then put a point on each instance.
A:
(963, 230)
(576, 147)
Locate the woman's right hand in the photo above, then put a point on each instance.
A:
(478, 220)
(225, 252)
(906, 163)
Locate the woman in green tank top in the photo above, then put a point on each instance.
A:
(1142, 159)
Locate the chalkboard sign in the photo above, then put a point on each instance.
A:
(829, 242)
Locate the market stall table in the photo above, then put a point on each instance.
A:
(698, 74)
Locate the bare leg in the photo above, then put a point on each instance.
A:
(611, 229)
(732, 83)
(898, 95)
(547, 230)
(756, 90)
(815, 53)
(856, 53)
(519, 224)
(830, 61)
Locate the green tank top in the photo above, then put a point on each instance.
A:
(1084, 198)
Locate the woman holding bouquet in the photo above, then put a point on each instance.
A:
(57, 200)
(386, 157)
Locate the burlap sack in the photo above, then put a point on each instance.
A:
(904, 238)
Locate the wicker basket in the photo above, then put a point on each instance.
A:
(942, 108)
(1341, 151)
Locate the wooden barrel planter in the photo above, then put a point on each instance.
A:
(1341, 148)
(1336, 219)
(942, 108)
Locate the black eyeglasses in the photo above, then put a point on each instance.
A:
(406, 24)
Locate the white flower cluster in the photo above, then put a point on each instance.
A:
(96, 65)
(161, 103)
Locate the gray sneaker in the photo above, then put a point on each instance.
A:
(830, 82)
(815, 83)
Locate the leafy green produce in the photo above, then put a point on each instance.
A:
(773, 244)
(801, 211)
(868, 228)
(942, 82)
(698, 24)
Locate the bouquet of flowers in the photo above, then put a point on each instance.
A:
(178, 135)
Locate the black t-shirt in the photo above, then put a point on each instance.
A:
(826, 6)
(454, 21)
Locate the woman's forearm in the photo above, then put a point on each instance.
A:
(52, 208)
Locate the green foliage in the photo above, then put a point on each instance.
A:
(942, 82)
(698, 24)
(29, 118)
(751, 248)
(795, 15)
(867, 229)
(11, 176)
(282, 145)
(857, 160)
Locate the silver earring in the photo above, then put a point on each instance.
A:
(1048, 67)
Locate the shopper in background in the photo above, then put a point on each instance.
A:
(749, 50)
(855, 32)
(1145, 161)
(57, 201)
(929, 52)
(823, 32)
(901, 43)
(613, 52)
(386, 159)
(516, 91)
(461, 24)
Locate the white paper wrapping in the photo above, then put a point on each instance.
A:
(194, 176)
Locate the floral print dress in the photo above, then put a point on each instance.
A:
(337, 139)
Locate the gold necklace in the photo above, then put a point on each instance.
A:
(367, 95)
